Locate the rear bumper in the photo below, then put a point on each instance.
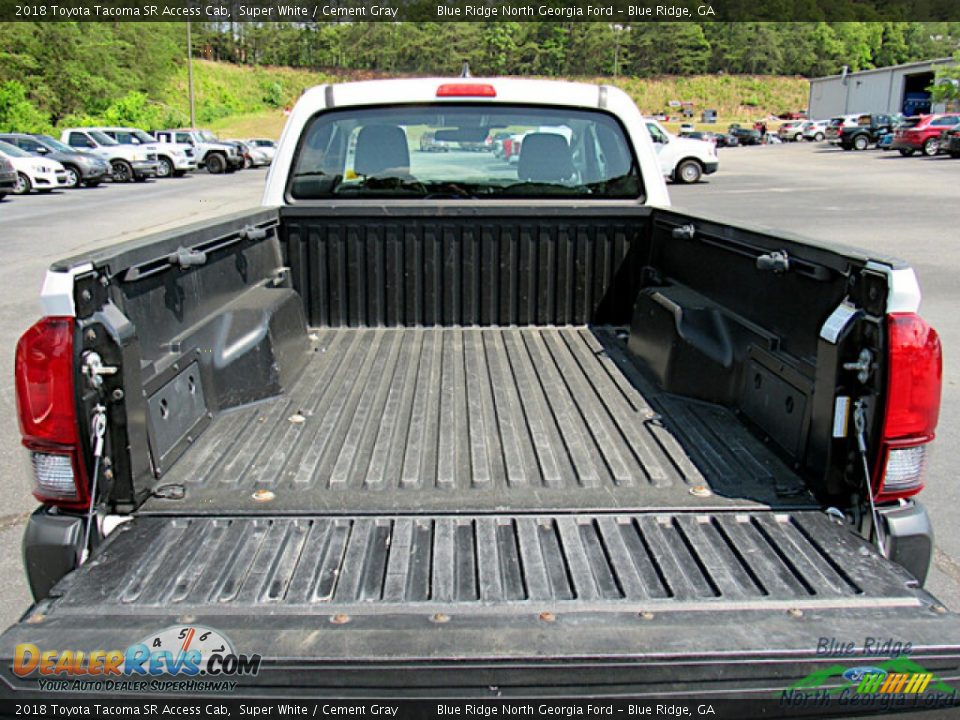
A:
(8, 181)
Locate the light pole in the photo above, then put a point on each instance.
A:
(616, 49)
(193, 116)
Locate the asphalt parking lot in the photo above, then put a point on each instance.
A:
(881, 201)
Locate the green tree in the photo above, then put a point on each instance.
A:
(17, 113)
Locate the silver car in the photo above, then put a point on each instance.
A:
(815, 130)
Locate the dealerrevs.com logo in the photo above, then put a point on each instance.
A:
(178, 658)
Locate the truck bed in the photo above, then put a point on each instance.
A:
(469, 419)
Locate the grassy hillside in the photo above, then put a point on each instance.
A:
(240, 101)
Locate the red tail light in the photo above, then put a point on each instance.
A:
(913, 404)
(466, 90)
(47, 409)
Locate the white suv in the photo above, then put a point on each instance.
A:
(815, 130)
(215, 156)
(682, 160)
(172, 160)
(127, 162)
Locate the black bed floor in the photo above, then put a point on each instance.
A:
(469, 419)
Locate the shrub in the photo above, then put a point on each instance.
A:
(17, 113)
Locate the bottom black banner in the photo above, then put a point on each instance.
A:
(784, 707)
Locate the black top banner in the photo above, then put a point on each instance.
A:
(608, 11)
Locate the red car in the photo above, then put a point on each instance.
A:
(925, 135)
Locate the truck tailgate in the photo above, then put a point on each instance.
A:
(501, 604)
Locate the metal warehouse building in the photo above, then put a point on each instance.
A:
(897, 89)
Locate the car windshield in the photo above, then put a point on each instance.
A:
(448, 151)
(102, 138)
(13, 151)
(54, 144)
(142, 136)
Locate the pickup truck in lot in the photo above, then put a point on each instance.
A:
(433, 424)
(128, 163)
(868, 131)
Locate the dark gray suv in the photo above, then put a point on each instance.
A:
(82, 168)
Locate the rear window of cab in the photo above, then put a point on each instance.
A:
(464, 151)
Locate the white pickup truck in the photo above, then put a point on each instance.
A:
(682, 159)
(128, 163)
(432, 423)
(217, 157)
(172, 160)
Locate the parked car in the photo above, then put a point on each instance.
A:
(792, 130)
(951, 142)
(266, 146)
(216, 156)
(815, 130)
(924, 136)
(8, 177)
(555, 439)
(429, 143)
(686, 129)
(747, 136)
(682, 159)
(82, 168)
(886, 139)
(866, 132)
(33, 173)
(498, 139)
(128, 163)
(172, 160)
(511, 148)
(253, 156)
(836, 125)
(719, 139)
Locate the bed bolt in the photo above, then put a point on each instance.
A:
(440, 618)
(700, 491)
(939, 609)
(86, 296)
(297, 419)
(104, 281)
(90, 335)
(646, 615)
(36, 619)
(340, 619)
(263, 495)
(795, 612)
(118, 394)
(548, 616)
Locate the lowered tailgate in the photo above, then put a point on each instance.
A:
(501, 604)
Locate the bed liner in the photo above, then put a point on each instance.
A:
(476, 419)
